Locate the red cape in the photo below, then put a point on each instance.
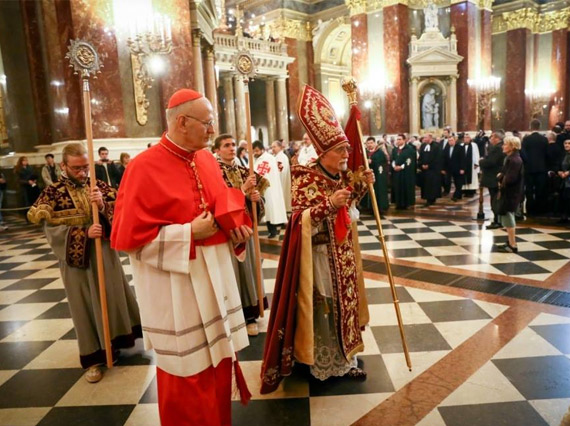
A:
(159, 189)
(278, 351)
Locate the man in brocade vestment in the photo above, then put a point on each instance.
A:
(237, 176)
(319, 307)
(168, 219)
(65, 209)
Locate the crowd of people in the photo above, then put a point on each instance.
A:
(193, 258)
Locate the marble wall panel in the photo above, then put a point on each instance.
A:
(499, 60)
(377, 66)
(359, 38)
(32, 20)
(486, 55)
(543, 74)
(516, 115)
(396, 38)
(92, 20)
(179, 73)
(567, 92)
(294, 85)
(18, 102)
(559, 75)
(63, 87)
(464, 17)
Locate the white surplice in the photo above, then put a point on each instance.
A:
(190, 308)
(285, 174)
(275, 211)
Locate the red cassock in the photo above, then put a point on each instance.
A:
(167, 185)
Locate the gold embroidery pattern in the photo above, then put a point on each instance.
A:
(341, 256)
(236, 175)
(77, 248)
(64, 203)
(318, 118)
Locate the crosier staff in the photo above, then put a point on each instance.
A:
(350, 87)
(84, 60)
(244, 65)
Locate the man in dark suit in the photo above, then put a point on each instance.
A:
(533, 152)
(491, 165)
(106, 170)
(454, 166)
(429, 164)
(564, 135)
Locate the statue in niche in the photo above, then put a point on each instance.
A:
(430, 110)
(431, 20)
(436, 115)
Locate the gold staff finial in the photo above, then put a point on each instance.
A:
(351, 88)
(83, 58)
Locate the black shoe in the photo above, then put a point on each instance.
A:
(494, 225)
(454, 199)
(508, 249)
(271, 235)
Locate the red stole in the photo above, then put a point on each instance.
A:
(165, 185)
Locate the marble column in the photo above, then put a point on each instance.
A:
(211, 89)
(297, 78)
(453, 102)
(179, 73)
(107, 111)
(229, 105)
(486, 55)
(464, 18)
(559, 75)
(517, 114)
(270, 105)
(197, 63)
(241, 119)
(31, 12)
(282, 112)
(396, 39)
(414, 107)
(359, 58)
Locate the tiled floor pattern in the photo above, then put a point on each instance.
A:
(468, 246)
(41, 381)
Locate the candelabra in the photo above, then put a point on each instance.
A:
(559, 105)
(486, 89)
(372, 91)
(150, 38)
(539, 99)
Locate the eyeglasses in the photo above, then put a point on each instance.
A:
(78, 169)
(342, 149)
(205, 123)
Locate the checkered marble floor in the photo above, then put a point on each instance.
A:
(41, 380)
(526, 383)
(468, 245)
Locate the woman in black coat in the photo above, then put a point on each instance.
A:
(511, 190)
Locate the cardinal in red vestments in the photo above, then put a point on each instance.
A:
(319, 305)
(190, 306)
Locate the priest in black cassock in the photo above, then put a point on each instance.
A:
(403, 174)
(379, 163)
(429, 164)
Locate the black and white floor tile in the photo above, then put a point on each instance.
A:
(41, 381)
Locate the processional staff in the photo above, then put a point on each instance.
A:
(244, 66)
(84, 60)
(350, 87)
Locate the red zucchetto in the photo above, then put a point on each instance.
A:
(183, 95)
(317, 116)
